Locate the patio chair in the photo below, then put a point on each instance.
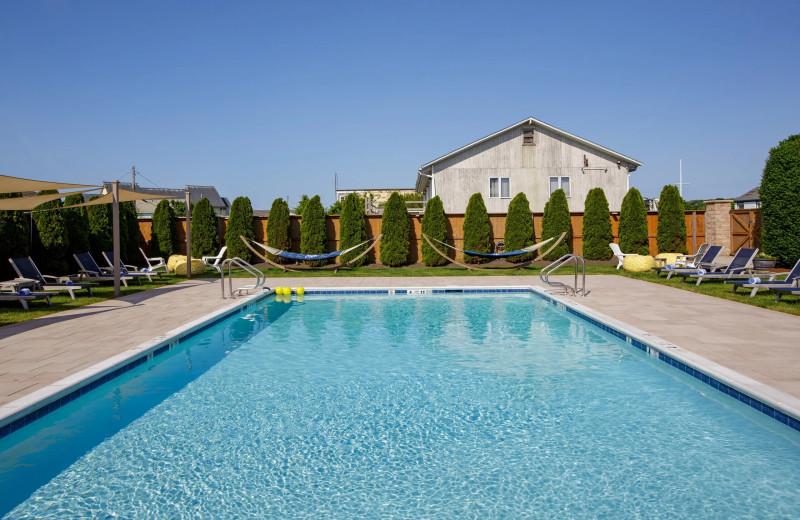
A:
(706, 262)
(691, 260)
(26, 269)
(129, 270)
(738, 268)
(154, 263)
(214, 261)
(791, 281)
(618, 253)
(784, 290)
(92, 271)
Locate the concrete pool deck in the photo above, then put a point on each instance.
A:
(757, 343)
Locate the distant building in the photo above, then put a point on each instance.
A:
(376, 198)
(146, 208)
(749, 200)
(531, 157)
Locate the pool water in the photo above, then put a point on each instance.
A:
(439, 406)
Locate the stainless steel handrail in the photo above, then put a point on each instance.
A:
(261, 279)
(544, 274)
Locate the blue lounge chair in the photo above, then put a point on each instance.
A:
(25, 268)
(791, 281)
(738, 268)
(24, 296)
(784, 290)
(92, 271)
(706, 262)
(129, 270)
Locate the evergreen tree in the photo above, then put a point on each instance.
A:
(352, 229)
(395, 228)
(205, 234)
(129, 233)
(556, 221)
(301, 206)
(477, 229)
(164, 237)
(780, 184)
(312, 230)
(434, 225)
(240, 223)
(671, 234)
(101, 228)
(51, 242)
(597, 226)
(519, 227)
(633, 224)
(76, 221)
(15, 235)
(278, 228)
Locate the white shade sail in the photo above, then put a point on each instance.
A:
(10, 184)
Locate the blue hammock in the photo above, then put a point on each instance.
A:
(505, 254)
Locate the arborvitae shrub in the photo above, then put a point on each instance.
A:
(240, 223)
(477, 229)
(780, 184)
(633, 224)
(163, 237)
(205, 234)
(278, 228)
(51, 241)
(101, 229)
(597, 226)
(395, 228)
(352, 229)
(129, 233)
(15, 233)
(76, 221)
(671, 234)
(556, 221)
(312, 230)
(434, 225)
(519, 227)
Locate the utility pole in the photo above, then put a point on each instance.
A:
(133, 178)
(188, 236)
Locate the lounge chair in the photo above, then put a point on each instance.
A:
(90, 270)
(129, 270)
(618, 253)
(784, 290)
(154, 263)
(24, 296)
(791, 281)
(706, 262)
(214, 261)
(691, 260)
(738, 268)
(25, 268)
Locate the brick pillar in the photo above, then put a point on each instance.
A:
(718, 224)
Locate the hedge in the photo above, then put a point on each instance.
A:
(50, 242)
(352, 229)
(780, 185)
(312, 230)
(240, 222)
(205, 235)
(633, 224)
(164, 237)
(434, 225)
(278, 229)
(597, 226)
(671, 234)
(15, 235)
(477, 229)
(556, 221)
(519, 227)
(395, 228)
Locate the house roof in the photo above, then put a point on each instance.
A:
(535, 122)
(750, 195)
(195, 193)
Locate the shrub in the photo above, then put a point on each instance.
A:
(780, 184)
(556, 221)
(101, 228)
(205, 235)
(76, 221)
(395, 229)
(128, 232)
(312, 230)
(51, 241)
(434, 224)
(278, 228)
(15, 235)
(164, 237)
(633, 224)
(671, 234)
(477, 229)
(240, 222)
(519, 227)
(352, 229)
(597, 226)
(301, 206)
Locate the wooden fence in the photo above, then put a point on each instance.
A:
(695, 226)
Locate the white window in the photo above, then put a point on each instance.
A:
(499, 187)
(559, 183)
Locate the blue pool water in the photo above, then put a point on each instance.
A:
(443, 406)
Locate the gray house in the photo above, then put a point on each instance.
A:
(749, 200)
(530, 157)
(145, 208)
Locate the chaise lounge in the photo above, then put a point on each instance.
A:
(738, 268)
(92, 271)
(26, 269)
(790, 282)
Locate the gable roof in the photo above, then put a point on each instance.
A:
(195, 193)
(749, 196)
(535, 122)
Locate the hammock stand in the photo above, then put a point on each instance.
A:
(297, 256)
(518, 266)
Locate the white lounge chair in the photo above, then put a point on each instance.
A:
(154, 262)
(214, 261)
(618, 253)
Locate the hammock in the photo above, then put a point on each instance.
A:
(493, 256)
(306, 258)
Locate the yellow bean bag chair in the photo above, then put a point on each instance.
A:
(638, 263)
(670, 258)
(177, 264)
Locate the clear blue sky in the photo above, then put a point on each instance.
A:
(269, 99)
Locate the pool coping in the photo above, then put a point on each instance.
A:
(763, 398)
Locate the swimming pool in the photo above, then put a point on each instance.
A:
(435, 405)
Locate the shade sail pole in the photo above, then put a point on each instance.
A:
(188, 236)
(115, 233)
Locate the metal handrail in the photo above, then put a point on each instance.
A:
(544, 274)
(261, 279)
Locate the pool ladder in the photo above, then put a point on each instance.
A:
(238, 262)
(573, 289)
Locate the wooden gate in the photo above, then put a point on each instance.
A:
(745, 228)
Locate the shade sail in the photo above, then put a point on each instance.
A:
(124, 196)
(31, 202)
(10, 184)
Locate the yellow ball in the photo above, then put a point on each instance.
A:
(279, 291)
(300, 291)
(287, 291)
